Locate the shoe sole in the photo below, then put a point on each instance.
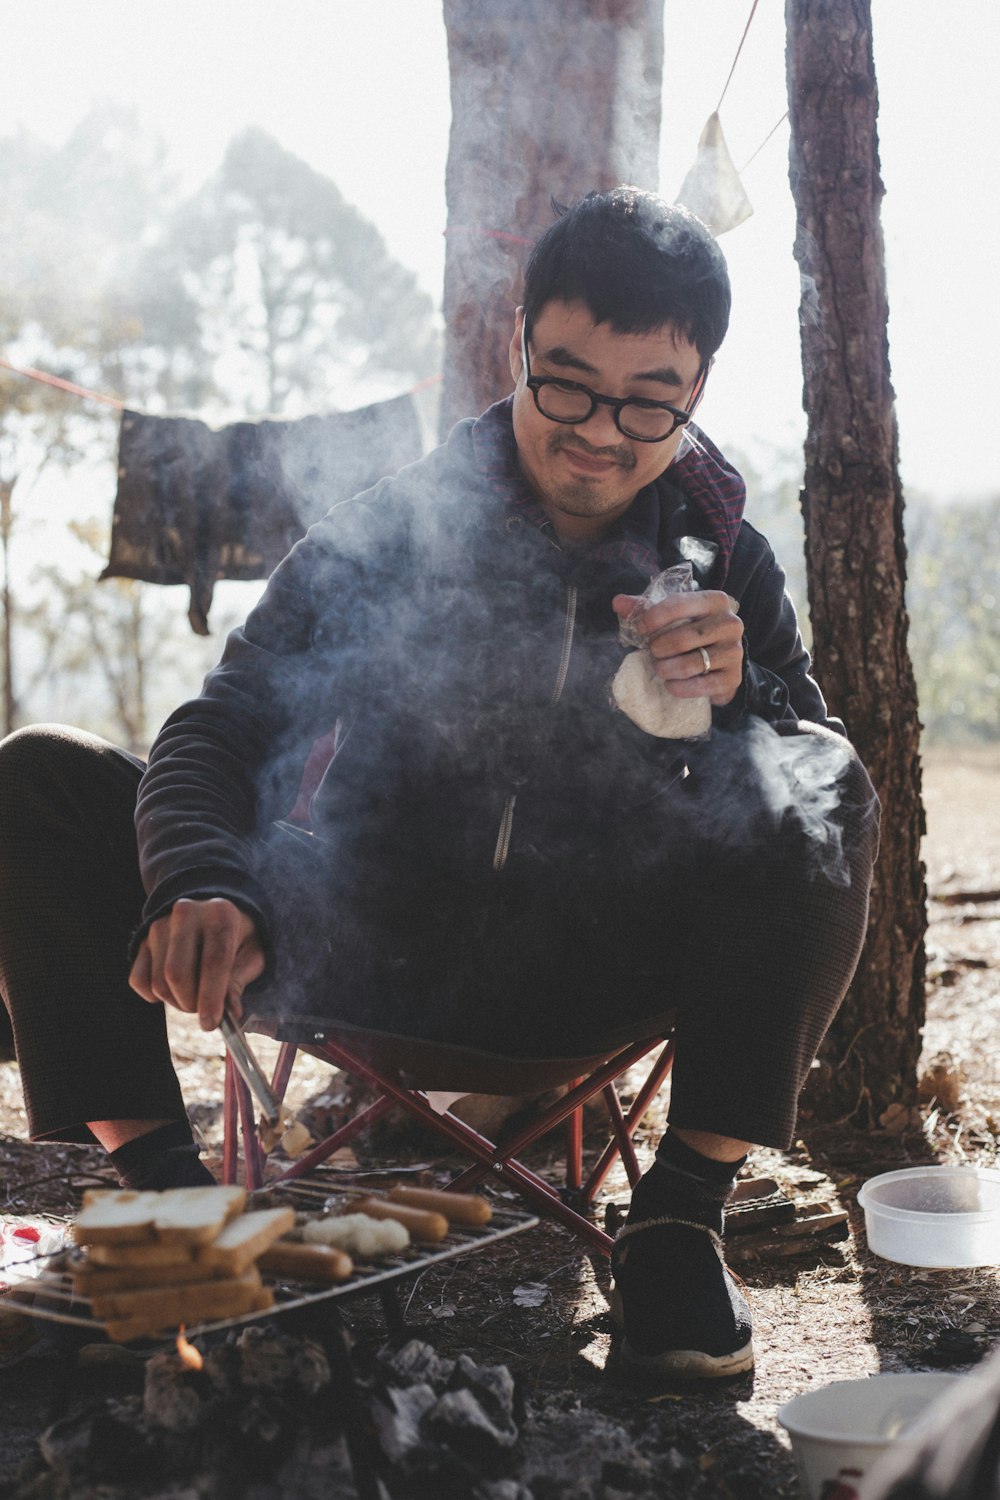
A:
(683, 1364)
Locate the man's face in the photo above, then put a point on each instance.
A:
(587, 474)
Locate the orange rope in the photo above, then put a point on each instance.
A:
(60, 384)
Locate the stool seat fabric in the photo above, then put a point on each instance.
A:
(414, 1063)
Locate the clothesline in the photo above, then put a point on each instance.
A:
(43, 376)
(732, 70)
(61, 385)
(764, 142)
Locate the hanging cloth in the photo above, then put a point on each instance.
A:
(196, 504)
(712, 188)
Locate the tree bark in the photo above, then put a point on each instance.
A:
(550, 99)
(855, 554)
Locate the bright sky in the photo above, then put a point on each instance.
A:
(360, 90)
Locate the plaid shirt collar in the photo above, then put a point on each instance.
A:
(711, 485)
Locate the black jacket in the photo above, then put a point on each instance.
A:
(467, 660)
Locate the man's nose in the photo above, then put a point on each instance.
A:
(600, 429)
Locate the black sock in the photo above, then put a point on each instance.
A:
(163, 1158)
(676, 1293)
(683, 1184)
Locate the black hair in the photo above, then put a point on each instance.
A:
(638, 263)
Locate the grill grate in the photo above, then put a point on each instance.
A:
(50, 1294)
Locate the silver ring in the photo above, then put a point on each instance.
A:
(706, 659)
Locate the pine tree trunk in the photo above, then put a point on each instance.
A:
(550, 99)
(855, 554)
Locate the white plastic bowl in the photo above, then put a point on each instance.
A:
(941, 1217)
(840, 1430)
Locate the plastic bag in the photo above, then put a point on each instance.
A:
(712, 188)
(637, 690)
(25, 1246)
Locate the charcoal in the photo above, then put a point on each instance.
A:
(64, 1445)
(105, 1443)
(416, 1363)
(631, 1477)
(222, 1370)
(492, 1385)
(459, 1421)
(273, 1361)
(398, 1414)
(120, 1451)
(174, 1397)
(501, 1489)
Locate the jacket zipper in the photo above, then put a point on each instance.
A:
(507, 817)
(567, 646)
(503, 837)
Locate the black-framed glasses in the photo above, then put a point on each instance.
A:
(569, 402)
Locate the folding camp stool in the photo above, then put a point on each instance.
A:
(392, 1066)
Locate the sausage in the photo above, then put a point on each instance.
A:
(421, 1225)
(319, 1263)
(458, 1208)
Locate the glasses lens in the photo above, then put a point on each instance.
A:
(644, 422)
(563, 403)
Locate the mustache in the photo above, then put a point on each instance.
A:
(622, 456)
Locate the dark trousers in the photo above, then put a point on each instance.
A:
(750, 935)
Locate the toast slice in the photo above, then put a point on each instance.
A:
(167, 1306)
(127, 1330)
(90, 1279)
(243, 1239)
(147, 1253)
(116, 1215)
(178, 1216)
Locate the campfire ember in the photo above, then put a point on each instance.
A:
(190, 1356)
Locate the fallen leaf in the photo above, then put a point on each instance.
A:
(530, 1294)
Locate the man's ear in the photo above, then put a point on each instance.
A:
(514, 352)
(699, 389)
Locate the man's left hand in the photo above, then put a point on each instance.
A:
(696, 641)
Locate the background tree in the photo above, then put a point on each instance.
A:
(265, 290)
(548, 102)
(71, 215)
(954, 593)
(287, 289)
(116, 656)
(855, 554)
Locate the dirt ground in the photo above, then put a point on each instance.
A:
(831, 1313)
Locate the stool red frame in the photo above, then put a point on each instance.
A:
(567, 1204)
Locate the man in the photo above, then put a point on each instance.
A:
(499, 857)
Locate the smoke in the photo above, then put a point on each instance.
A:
(758, 783)
(810, 309)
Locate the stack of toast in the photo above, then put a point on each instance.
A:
(155, 1260)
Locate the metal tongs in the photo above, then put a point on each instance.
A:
(248, 1067)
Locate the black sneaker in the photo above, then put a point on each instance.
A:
(681, 1311)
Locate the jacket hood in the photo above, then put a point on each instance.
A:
(713, 489)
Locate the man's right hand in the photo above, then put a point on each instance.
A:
(199, 959)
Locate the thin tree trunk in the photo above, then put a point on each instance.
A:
(6, 526)
(550, 99)
(855, 554)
